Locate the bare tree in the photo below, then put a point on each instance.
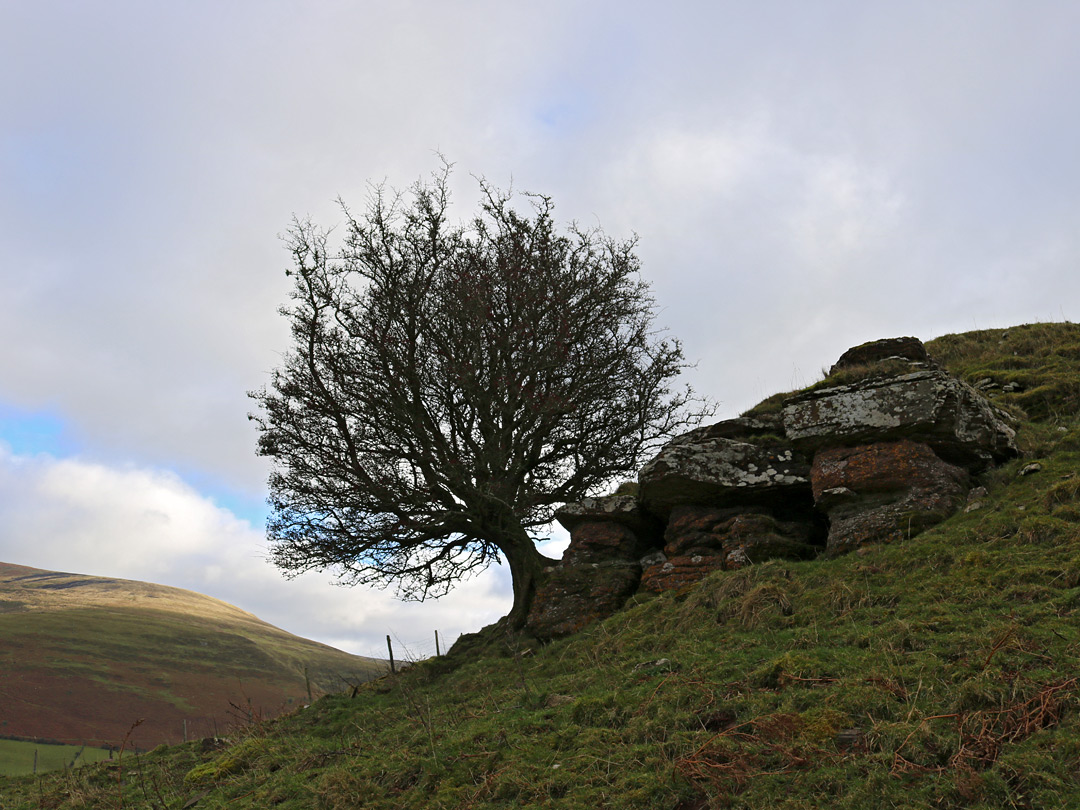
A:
(450, 385)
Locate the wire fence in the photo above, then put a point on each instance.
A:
(412, 648)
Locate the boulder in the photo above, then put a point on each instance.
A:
(884, 491)
(927, 406)
(882, 467)
(574, 596)
(599, 570)
(703, 539)
(877, 351)
(747, 549)
(748, 428)
(870, 522)
(693, 528)
(706, 467)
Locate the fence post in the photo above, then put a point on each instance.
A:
(391, 651)
(437, 653)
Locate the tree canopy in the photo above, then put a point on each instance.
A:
(450, 385)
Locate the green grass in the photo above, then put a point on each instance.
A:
(939, 672)
(1042, 358)
(17, 757)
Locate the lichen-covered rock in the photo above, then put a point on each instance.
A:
(680, 572)
(750, 429)
(574, 596)
(622, 509)
(927, 406)
(705, 467)
(608, 529)
(884, 491)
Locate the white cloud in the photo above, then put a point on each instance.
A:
(845, 214)
(145, 524)
(862, 162)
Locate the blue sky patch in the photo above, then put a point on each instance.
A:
(29, 433)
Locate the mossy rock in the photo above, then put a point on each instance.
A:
(232, 760)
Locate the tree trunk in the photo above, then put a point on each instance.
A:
(526, 567)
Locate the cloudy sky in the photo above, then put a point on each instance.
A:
(803, 177)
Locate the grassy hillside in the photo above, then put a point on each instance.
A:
(940, 672)
(85, 658)
(18, 757)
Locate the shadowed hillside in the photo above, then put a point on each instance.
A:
(85, 658)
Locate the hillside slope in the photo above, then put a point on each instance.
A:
(934, 672)
(83, 658)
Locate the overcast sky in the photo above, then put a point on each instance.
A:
(803, 177)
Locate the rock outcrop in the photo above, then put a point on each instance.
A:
(882, 449)
(702, 539)
(604, 529)
(893, 452)
(578, 595)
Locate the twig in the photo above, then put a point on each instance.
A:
(120, 763)
(922, 722)
(998, 645)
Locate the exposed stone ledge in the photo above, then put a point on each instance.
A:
(622, 509)
(704, 467)
(928, 406)
(878, 351)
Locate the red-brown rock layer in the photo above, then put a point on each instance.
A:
(884, 491)
(575, 596)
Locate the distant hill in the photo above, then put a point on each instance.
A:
(82, 659)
